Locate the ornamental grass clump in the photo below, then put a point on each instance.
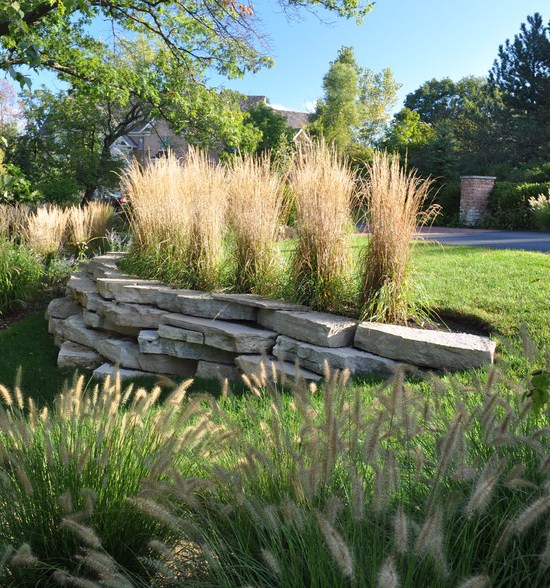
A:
(540, 210)
(89, 222)
(74, 478)
(321, 263)
(177, 216)
(395, 202)
(44, 230)
(256, 197)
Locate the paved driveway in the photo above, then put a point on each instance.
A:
(526, 240)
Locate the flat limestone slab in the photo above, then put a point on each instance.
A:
(126, 353)
(95, 321)
(130, 315)
(80, 287)
(108, 369)
(208, 370)
(74, 329)
(73, 355)
(232, 337)
(150, 342)
(204, 305)
(326, 330)
(62, 308)
(259, 301)
(313, 357)
(170, 332)
(286, 371)
(142, 293)
(112, 288)
(434, 349)
(105, 264)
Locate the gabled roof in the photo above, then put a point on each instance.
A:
(294, 119)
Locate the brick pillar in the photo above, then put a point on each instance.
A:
(474, 195)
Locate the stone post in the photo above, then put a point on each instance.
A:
(474, 195)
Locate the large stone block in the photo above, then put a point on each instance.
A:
(259, 302)
(106, 264)
(142, 293)
(73, 355)
(313, 357)
(130, 315)
(204, 305)
(108, 369)
(170, 332)
(286, 372)
(208, 370)
(232, 337)
(95, 321)
(62, 308)
(112, 288)
(74, 329)
(433, 349)
(126, 353)
(317, 328)
(81, 287)
(150, 342)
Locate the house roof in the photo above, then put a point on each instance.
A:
(294, 119)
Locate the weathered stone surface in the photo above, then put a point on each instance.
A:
(73, 355)
(170, 332)
(105, 264)
(111, 288)
(142, 293)
(225, 335)
(204, 305)
(434, 349)
(313, 357)
(286, 371)
(130, 315)
(80, 287)
(259, 302)
(208, 370)
(62, 308)
(74, 329)
(318, 328)
(108, 369)
(95, 321)
(150, 342)
(126, 354)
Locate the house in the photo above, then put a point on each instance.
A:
(155, 138)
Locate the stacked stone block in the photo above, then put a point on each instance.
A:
(109, 321)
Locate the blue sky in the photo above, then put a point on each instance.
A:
(419, 40)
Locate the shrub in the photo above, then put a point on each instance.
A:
(540, 209)
(509, 205)
(14, 186)
(448, 198)
(394, 199)
(255, 212)
(321, 263)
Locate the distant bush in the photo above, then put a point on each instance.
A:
(448, 197)
(508, 205)
(15, 188)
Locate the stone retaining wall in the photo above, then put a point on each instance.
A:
(110, 320)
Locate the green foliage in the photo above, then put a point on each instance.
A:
(275, 135)
(15, 188)
(448, 197)
(21, 274)
(522, 74)
(539, 389)
(356, 103)
(540, 211)
(509, 205)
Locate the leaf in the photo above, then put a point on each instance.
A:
(539, 389)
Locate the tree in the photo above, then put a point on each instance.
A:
(275, 134)
(521, 73)
(356, 102)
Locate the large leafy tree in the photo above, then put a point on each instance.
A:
(356, 103)
(521, 73)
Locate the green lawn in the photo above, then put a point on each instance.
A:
(503, 289)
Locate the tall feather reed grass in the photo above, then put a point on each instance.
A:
(44, 230)
(177, 218)
(256, 198)
(88, 223)
(395, 200)
(12, 219)
(321, 263)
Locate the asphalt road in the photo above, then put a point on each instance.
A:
(524, 240)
